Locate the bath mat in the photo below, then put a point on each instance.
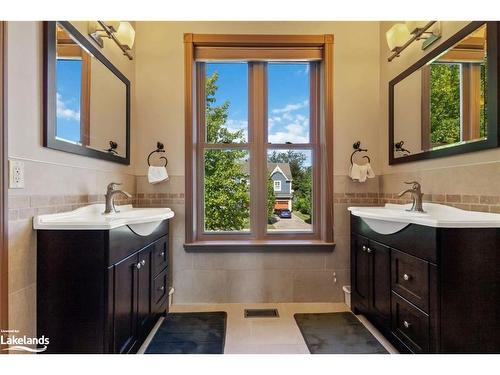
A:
(190, 333)
(337, 333)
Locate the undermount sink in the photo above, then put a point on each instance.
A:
(140, 220)
(393, 217)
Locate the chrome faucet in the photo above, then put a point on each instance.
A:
(416, 195)
(110, 197)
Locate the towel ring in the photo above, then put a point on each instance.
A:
(159, 148)
(357, 148)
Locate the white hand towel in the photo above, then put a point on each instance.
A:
(361, 172)
(157, 174)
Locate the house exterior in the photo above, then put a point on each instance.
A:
(281, 176)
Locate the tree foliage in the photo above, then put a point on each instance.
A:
(227, 194)
(445, 103)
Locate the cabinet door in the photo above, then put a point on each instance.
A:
(380, 301)
(144, 281)
(125, 304)
(360, 273)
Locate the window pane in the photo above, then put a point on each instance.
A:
(226, 112)
(289, 190)
(445, 103)
(288, 103)
(226, 190)
(68, 84)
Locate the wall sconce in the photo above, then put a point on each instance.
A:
(122, 33)
(401, 35)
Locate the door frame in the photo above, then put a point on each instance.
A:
(3, 181)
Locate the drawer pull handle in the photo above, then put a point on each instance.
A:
(161, 288)
(406, 324)
(162, 254)
(406, 277)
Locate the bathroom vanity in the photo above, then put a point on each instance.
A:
(429, 282)
(101, 290)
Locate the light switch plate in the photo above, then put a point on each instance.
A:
(16, 174)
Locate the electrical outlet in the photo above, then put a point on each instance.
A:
(16, 174)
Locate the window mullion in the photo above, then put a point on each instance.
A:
(256, 105)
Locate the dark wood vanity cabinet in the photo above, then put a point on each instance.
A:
(100, 291)
(429, 290)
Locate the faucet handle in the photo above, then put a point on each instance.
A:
(112, 185)
(415, 184)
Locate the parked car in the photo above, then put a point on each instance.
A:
(285, 214)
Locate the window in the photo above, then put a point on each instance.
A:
(253, 115)
(454, 86)
(73, 95)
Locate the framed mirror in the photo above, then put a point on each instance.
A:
(86, 98)
(447, 102)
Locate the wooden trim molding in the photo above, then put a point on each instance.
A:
(4, 299)
(257, 49)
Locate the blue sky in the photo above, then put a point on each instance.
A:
(288, 98)
(68, 86)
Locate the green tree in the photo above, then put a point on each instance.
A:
(445, 103)
(227, 194)
(271, 201)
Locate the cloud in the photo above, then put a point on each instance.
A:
(297, 131)
(237, 125)
(65, 112)
(291, 107)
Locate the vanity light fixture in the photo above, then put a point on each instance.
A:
(401, 35)
(122, 33)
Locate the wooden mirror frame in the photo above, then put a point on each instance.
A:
(49, 98)
(493, 127)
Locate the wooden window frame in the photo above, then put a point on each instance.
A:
(317, 48)
(4, 299)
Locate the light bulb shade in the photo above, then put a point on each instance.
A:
(113, 25)
(397, 36)
(126, 35)
(414, 25)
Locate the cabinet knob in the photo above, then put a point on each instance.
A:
(138, 266)
(368, 250)
(364, 248)
(406, 324)
(162, 288)
(406, 277)
(162, 254)
(143, 262)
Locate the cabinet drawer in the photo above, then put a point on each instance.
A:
(410, 325)
(160, 289)
(160, 255)
(410, 278)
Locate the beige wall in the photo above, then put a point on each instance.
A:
(54, 180)
(247, 277)
(475, 173)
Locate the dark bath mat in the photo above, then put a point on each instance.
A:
(190, 333)
(337, 333)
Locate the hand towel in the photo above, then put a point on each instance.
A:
(361, 172)
(157, 174)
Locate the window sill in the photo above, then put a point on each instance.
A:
(296, 246)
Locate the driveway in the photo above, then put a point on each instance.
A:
(295, 223)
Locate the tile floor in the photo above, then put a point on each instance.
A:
(267, 335)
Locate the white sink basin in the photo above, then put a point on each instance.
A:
(142, 221)
(393, 217)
